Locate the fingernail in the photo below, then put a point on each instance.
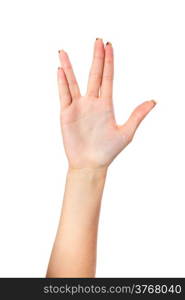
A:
(61, 50)
(98, 39)
(108, 43)
(154, 102)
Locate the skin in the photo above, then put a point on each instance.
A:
(92, 139)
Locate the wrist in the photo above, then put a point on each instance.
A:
(88, 172)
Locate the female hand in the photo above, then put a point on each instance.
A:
(92, 139)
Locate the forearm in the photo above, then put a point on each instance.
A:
(74, 250)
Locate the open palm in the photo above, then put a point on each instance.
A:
(92, 139)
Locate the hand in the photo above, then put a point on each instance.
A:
(92, 139)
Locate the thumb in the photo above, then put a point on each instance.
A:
(138, 114)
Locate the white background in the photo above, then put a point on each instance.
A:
(142, 221)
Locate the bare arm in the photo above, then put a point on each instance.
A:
(92, 139)
(74, 252)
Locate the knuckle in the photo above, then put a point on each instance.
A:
(72, 81)
(108, 61)
(90, 92)
(95, 75)
(138, 115)
(65, 95)
(108, 77)
(130, 138)
(68, 67)
(98, 57)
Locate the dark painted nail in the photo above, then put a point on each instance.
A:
(154, 102)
